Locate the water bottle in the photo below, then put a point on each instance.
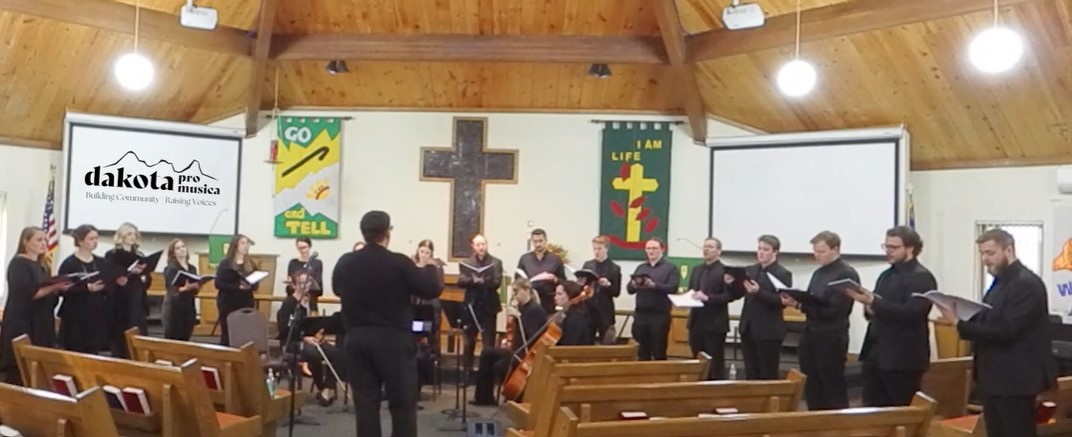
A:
(733, 371)
(271, 384)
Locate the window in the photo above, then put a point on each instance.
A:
(1028, 236)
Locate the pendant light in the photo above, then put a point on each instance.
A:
(997, 48)
(132, 70)
(797, 77)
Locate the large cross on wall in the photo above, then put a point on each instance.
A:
(468, 166)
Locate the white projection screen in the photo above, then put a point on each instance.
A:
(795, 185)
(165, 178)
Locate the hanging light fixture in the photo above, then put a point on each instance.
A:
(797, 77)
(996, 49)
(132, 70)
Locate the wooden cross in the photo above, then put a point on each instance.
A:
(468, 166)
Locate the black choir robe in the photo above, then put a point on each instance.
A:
(22, 313)
(179, 310)
(84, 314)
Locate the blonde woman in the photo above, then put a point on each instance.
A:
(495, 362)
(129, 304)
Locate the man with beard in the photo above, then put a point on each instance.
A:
(709, 324)
(1011, 340)
(897, 347)
(543, 269)
(825, 342)
(762, 323)
(480, 275)
(607, 287)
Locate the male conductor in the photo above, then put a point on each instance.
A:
(376, 286)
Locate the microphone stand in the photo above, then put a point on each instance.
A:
(293, 366)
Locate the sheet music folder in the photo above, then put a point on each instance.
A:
(332, 325)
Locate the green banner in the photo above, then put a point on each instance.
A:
(634, 201)
(685, 266)
(307, 177)
(217, 248)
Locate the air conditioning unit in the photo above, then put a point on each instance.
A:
(1064, 179)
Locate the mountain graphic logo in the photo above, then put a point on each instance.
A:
(132, 172)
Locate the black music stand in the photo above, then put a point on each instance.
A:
(458, 314)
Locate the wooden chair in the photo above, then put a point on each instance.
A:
(910, 421)
(593, 354)
(975, 425)
(600, 374)
(40, 413)
(601, 403)
(242, 376)
(948, 381)
(178, 398)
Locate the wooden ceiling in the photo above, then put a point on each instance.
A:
(880, 62)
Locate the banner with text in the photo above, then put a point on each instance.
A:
(634, 197)
(307, 177)
(1061, 297)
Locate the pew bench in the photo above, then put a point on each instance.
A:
(599, 374)
(179, 402)
(948, 381)
(603, 403)
(242, 377)
(40, 413)
(974, 425)
(909, 421)
(593, 354)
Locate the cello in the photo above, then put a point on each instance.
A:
(515, 382)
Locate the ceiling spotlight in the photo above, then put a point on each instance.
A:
(599, 71)
(336, 66)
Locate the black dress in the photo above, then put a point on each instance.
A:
(82, 313)
(231, 297)
(25, 315)
(179, 311)
(129, 304)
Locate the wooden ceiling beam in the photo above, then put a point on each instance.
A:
(119, 17)
(832, 21)
(471, 48)
(261, 48)
(687, 87)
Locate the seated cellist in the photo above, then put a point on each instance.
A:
(496, 362)
(574, 318)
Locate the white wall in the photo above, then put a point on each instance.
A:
(24, 177)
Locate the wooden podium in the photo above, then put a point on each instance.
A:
(209, 315)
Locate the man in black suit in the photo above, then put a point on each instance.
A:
(480, 275)
(608, 287)
(825, 343)
(652, 282)
(709, 324)
(897, 347)
(762, 323)
(376, 288)
(543, 269)
(1011, 340)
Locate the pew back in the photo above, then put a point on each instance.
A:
(177, 396)
(40, 413)
(948, 381)
(910, 421)
(242, 376)
(593, 354)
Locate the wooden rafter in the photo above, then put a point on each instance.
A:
(839, 19)
(688, 88)
(119, 17)
(472, 48)
(261, 48)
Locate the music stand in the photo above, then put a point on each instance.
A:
(458, 315)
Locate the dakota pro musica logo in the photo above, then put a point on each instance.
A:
(130, 171)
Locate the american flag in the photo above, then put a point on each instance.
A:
(48, 223)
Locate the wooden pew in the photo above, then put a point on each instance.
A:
(600, 374)
(177, 396)
(603, 403)
(974, 425)
(948, 381)
(910, 421)
(593, 354)
(243, 392)
(40, 413)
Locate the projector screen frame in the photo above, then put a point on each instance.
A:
(897, 135)
(75, 119)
